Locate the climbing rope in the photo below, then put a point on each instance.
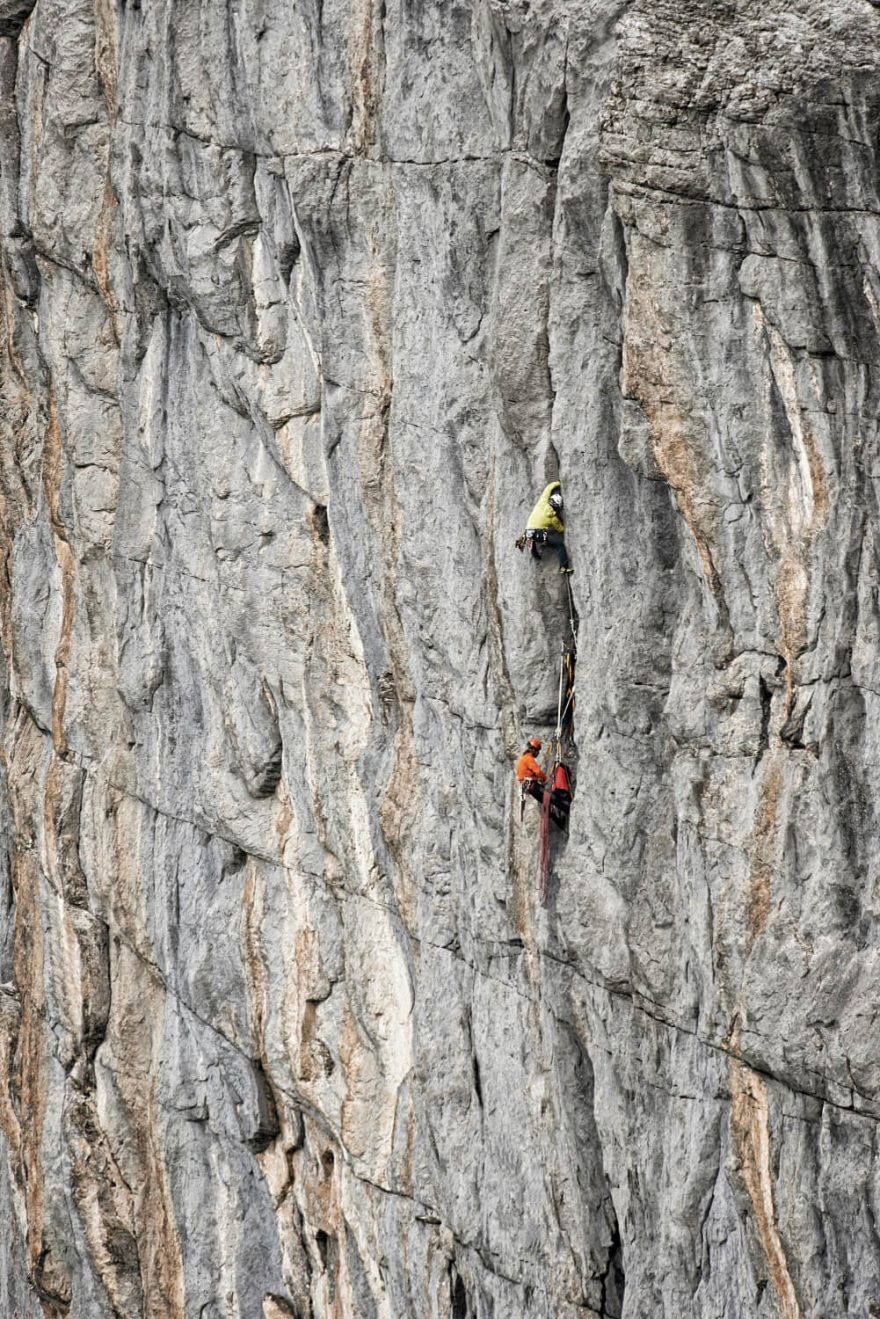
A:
(544, 848)
(558, 781)
(573, 619)
(559, 698)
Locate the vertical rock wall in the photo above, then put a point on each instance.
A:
(301, 304)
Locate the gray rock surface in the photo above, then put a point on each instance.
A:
(302, 303)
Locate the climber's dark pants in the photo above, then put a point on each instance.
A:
(556, 541)
(558, 809)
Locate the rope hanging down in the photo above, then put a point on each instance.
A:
(544, 848)
(557, 794)
(551, 783)
(573, 619)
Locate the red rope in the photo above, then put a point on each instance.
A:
(544, 848)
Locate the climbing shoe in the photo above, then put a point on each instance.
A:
(567, 571)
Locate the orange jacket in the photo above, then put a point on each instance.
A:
(528, 768)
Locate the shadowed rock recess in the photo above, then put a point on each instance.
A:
(301, 304)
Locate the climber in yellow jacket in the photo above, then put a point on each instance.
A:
(546, 527)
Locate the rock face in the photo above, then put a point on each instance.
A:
(302, 304)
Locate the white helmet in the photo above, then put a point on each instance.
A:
(556, 500)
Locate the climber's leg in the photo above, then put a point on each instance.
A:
(556, 541)
(535, 539)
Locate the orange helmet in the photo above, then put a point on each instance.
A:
(535, 743)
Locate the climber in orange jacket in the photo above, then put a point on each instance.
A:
(529, 772)
(534, 780)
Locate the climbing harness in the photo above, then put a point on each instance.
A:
(531, 540)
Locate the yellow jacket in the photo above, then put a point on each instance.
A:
(542, 516)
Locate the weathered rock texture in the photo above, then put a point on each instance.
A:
(302, 303)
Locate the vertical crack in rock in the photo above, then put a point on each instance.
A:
(368, 61)
(796, 501)
(128, 1077)
(765, 842)
(750, 1136)
(459, 1305)
(613, 1280)
(53, 468)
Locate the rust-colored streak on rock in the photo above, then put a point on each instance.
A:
(674, 458)
(275, 1308)
(659, 383)
(315, 1061)
(6, 637)
(104, 232)
(30, 1082)
(365, 59)
(763, 845)
(792, 591)
(794, 576)
(27, 1082)
(284, 824)
(22, 429)
(163, 1265)
(53, 465)
(398, 813)
(352, 1056)
(819, 478)
(53, 787)
(134, 1040)
(252, 914)
(104, 1204)
(76, 954)
(10, 1027)
(795, 494)
(106, 53)
(750, 1138)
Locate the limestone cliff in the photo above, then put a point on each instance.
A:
(302, 303)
